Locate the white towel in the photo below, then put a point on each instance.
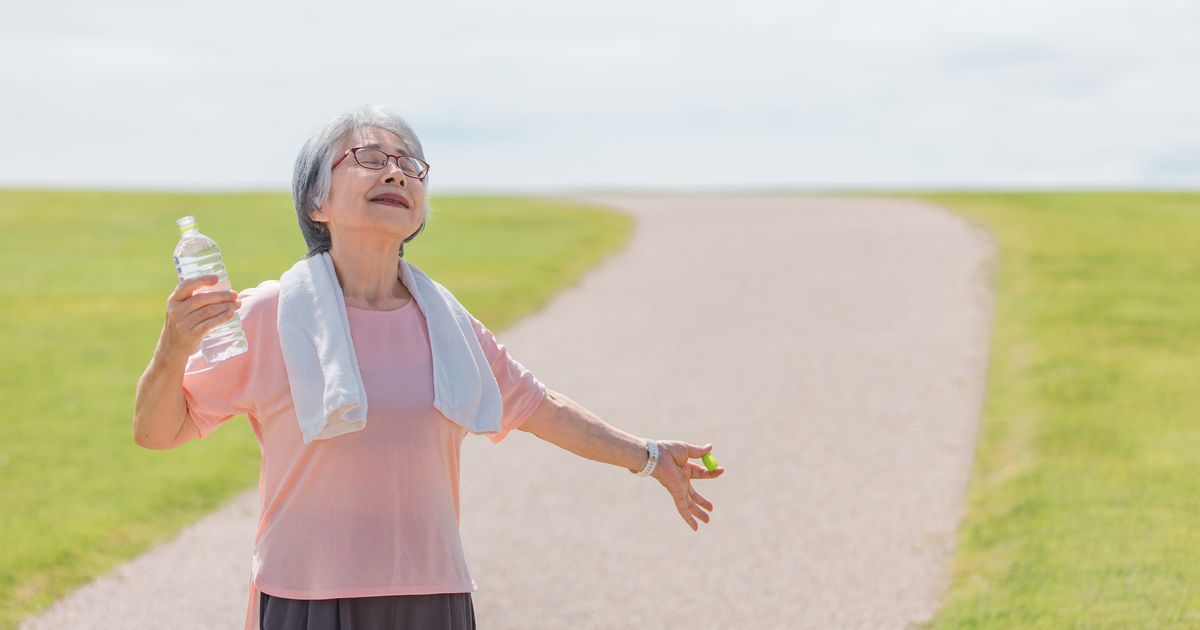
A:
(322, 369)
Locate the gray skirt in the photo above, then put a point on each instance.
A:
(441, 611)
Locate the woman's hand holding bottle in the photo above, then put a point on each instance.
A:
(192, 312)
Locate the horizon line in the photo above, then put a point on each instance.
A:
(646, 190)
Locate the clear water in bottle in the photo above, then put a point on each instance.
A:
(198, 255)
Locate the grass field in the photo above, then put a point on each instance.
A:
(1085, 496)
(81, 307)
(1087, 475)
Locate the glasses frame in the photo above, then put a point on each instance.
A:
(396, 158)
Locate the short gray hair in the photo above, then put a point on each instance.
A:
(310, 179)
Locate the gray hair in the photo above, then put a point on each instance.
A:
(310, 180)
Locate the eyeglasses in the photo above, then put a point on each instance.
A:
(376, 160)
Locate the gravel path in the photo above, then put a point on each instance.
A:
(833, 350)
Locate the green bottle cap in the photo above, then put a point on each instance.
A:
(710, 462)
(186, 224)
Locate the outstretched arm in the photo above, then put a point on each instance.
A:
(566, 424)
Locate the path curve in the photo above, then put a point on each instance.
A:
(832, 349)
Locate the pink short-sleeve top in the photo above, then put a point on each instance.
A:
(369, 513)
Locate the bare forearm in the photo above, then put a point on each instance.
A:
(566, 424)
(160, 408)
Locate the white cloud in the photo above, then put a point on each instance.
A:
(532, 94)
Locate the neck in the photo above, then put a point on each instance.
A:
(370, 278)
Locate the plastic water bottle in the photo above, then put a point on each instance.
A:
(198, 255)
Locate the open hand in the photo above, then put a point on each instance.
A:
(675, 472)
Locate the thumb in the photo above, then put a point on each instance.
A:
(698, 451)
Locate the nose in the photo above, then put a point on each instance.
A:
(393, 171)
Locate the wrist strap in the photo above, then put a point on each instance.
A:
(652, 449)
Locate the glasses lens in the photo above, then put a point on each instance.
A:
(371, 158)
(412, 166)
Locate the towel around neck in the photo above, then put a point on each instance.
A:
(323, 373)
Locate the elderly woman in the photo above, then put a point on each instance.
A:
(361, 530)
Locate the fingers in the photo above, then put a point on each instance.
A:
(696, 502)
(690, 511)
(696, 471)
(688, 451)
(190, 299)
(212, 316)
(189, 286)
(684, 507)
(194, 294)
(194, 308)
(687, 518)
(692, 506)
(208, 298)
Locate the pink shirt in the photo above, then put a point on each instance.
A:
(369, 513)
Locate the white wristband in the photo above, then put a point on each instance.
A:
(652, 448)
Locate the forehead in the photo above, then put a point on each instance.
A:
(377, 138)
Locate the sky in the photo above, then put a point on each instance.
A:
(540, 95)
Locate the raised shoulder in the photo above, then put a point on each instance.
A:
(266, 291)
(260, 302)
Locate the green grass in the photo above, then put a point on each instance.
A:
(1084, 497)
(82, 303)
(1084, 503)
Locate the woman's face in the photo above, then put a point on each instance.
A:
(367, 206)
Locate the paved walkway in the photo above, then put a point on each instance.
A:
(833, 351)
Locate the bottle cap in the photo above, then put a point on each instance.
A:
(186, 224)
